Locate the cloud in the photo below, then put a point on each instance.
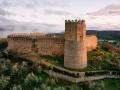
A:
(104, 26)
(110, 10)
(35, 10)
(55, 3)
(3, 12)
(50, 15)
(57, 12)
(20, 27)
(32, 3)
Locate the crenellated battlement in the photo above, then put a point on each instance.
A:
(74, 21)
(24, 36)
(75, 29)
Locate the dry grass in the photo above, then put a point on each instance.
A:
(3, 40)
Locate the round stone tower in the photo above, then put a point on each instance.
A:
(75, 53)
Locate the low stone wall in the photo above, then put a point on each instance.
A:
(77, 77)
(80, 79)
(62, 69)
(60, 76)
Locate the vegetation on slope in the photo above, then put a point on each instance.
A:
(23, 75)
(106, 57)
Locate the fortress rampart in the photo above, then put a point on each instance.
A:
(19, 44)
(50, 46)
(41, 45)
(74, 45)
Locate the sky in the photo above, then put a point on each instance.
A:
(18, 16)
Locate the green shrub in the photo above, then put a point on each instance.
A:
(16, 87)
(31, 78)
(4, 81)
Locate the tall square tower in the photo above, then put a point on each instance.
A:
(75, 53)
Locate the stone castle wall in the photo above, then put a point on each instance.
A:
(50, 46)
(45, 45)
(19, 45)
(41, 45)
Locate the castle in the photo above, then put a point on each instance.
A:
(74, 45)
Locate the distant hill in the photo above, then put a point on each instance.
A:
(109, 35)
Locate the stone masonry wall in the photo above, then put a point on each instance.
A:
(46, 46)
(19, 45)
(91, 42)
(40, 45)
(75, 51)
(50, 46)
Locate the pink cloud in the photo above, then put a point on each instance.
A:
(110, 10)
(108, 26)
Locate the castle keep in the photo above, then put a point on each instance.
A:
(75, 53)
(74, 45)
